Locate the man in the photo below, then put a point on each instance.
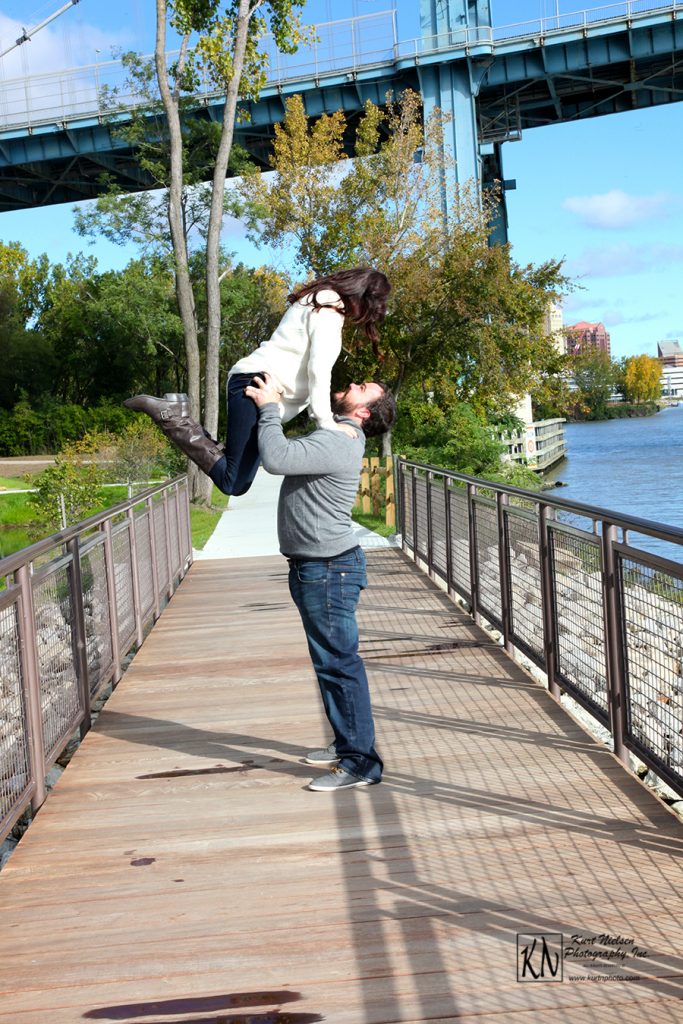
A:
(326, 566)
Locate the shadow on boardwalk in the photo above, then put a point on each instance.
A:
(181, 873)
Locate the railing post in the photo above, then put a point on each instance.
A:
(110, 570)
(547, 601)
(153, 554)
(449, 538)
(400, 503)
(78, 633)
(169, 549)
(389, 492)
(137, 600)
(616, 681)
(474, 568)
(504, 570)
(430, 529)
(30, 680)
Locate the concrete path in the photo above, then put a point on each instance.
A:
(248, 527)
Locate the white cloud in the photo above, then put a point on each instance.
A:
(624, 259)
(614, 317)
(63, 44)
(616, 209)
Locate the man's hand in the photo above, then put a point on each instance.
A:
(263, 391)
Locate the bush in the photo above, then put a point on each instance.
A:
(452, 439)
(66, 493)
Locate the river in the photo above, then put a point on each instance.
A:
(632, 466)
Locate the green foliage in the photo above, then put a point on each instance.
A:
(67, 492)
(595, 375)
(455, 438)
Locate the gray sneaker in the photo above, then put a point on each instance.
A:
(326, 756)
(336, 779)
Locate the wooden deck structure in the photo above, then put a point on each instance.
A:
(181, 873)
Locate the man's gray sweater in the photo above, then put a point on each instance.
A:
(321, 472)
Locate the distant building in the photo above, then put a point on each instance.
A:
(670, 353)
(672, 381)
(583, 336)
(554, 326)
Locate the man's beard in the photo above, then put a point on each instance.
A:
(339, 404)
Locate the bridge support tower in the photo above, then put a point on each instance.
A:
(453, 87)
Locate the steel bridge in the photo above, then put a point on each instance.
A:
(58, 136)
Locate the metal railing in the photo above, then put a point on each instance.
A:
(74, 605)
(348, 45)
(566, 585)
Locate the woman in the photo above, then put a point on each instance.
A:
(299, 356)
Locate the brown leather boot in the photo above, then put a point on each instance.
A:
(172, 414)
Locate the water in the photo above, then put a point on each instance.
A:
(632, 466)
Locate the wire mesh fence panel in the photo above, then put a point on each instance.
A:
(526, 600)
(96, 614)
(123, 585)
(652, 610)
(143, 550)
(158, 520)
(438, 525)
(488, 565)
(59, 693)
(577, 581)
(15, 761)
(406, 499)
(460, 540)
(173, 529)
(184, 512)
(421, 516)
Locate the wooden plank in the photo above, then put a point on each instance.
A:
(181, 872)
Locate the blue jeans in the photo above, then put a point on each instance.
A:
(326, 592)
(234, 473)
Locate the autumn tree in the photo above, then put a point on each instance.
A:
(642, 379)
(465, 319)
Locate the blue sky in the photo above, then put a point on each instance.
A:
(604, 194)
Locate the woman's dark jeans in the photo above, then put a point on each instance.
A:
(326, 592)
(234, 473)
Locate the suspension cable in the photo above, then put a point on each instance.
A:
(27, 35)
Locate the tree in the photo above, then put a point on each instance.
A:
(109, 334)
(642, 379)
(595, 376)
(464, 317)
(220, 43)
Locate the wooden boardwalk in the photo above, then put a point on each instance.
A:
(181, 873)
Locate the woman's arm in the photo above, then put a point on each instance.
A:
(325, 341)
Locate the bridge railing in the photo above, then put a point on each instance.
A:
(346, 45)
(572, 588)
(73, 606)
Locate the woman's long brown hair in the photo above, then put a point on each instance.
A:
(363, 291)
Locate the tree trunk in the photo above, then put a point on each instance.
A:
(183, 282)
(213, 291)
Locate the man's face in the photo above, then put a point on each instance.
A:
(356, 396)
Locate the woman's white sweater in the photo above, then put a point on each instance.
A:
(300, 355)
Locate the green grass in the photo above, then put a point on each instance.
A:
(16, 483)
(374, 523)
(203, 520)
(16, 512)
